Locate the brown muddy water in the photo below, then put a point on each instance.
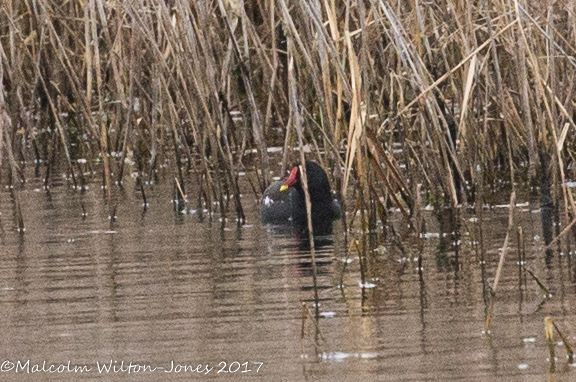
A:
(167, 297)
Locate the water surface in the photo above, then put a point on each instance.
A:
(178, 292)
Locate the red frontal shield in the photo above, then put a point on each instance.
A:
(291, 180)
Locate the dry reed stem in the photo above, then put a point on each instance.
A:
(454, 69)
(357, 115)
(549, 334)
(501, 261)
(567, 345)
(505, 245)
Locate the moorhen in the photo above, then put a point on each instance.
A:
(283, 201)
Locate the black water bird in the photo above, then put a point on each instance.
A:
(283, 201)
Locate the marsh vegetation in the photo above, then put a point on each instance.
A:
(464, 92)
(407, 103)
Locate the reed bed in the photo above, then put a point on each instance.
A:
(408, 103)
(394, 96)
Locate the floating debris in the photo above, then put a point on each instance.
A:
(381, 250)
(339, 356)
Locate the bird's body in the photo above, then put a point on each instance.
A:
(283, 202)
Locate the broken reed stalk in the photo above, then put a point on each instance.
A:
(549, 327)
(7, 143)
(306, 314)
(540, 284)
(565, 342)
(501, 262)
(560, 235)
(4, 123)
(521, 256)
(181, 199)
(521, 246)
(144, 200)
(549, 334)
(361, 260)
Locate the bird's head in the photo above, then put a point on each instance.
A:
(292, 180)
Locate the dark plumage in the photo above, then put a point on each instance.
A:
(283, 201)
